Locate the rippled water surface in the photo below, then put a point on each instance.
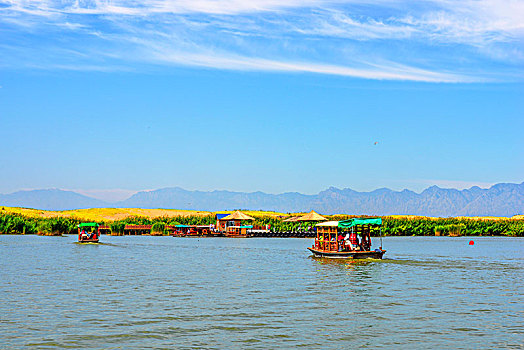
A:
(259, 293)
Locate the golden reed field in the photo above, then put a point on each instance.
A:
(112, 214)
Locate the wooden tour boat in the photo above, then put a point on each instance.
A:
(338, 239)
(179, 230)
(88, 232)
(199, 231)
(192, 231)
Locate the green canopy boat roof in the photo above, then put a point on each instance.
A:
(354, 222)
(182, 226)
(88, 224)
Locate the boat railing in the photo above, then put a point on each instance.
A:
(327, 245)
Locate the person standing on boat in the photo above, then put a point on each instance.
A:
(353, 240)
(347, 244)
(366, 241)
(321, 242)
(340, 242)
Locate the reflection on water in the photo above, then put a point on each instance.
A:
(216, 293)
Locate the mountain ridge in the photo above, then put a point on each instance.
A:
(503, 199)
(50, 199)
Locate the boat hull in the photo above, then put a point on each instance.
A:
(88, 240)
(215, 234)
(347, 255)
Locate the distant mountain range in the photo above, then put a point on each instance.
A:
(503, 199)
(50, 200)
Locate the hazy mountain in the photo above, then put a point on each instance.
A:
(179, 198)
(499, 200)
(50, 200)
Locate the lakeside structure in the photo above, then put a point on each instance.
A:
(310, 219)
(236, 219)
(312, 216)
(239, 225)
(134, 230)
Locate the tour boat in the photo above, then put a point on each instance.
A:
(179, 230)
(203, 230)
(338, 239)
(88, 232)
(191, 231)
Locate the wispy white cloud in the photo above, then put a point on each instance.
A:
(371, 39)
(148, 7)
(393, 71)
(472, 22)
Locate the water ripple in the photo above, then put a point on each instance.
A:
(163, 293)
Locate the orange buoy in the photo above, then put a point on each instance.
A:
(471, 242)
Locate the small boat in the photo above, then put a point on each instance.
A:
(179, 230)
(190, 230)
(88, 232)
(338, 239)
(200, 231)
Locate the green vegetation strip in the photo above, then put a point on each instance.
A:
(13, 223)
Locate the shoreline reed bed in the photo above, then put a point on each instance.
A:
(15, 223)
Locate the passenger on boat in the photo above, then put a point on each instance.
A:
(353, 241)
(347, 243)
(321, 242)
(340, 242)
(366, 242)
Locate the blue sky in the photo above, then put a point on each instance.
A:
(111, 97)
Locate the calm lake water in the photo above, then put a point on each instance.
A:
(259, 293)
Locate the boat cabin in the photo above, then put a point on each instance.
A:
(340, 239)
(88, 232)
